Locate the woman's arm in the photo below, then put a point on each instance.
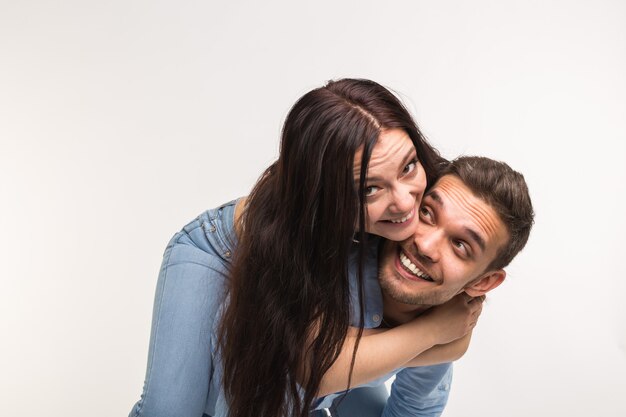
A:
(448, 352)
(438, 354)
(382, 351)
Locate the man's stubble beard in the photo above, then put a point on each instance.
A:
(390, 285)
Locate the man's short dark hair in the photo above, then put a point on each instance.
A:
(505, 190)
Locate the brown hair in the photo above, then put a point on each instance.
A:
(289, 292)
(505, 190)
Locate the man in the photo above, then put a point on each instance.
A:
(473, 222)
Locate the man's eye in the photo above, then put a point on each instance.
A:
(424, 212)
(371, 190)
(410, 167)
(459, 244)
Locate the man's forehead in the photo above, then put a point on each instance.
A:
(451, 186)
(462, 206)
(446, 184)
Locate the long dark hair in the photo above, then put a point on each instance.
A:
(289, 293)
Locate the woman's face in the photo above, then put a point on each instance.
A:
(394, 186)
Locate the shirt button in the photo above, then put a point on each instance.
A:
(376, 318)
(227, 254)
(212, 229)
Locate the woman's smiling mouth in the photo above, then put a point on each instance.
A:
(405, 220)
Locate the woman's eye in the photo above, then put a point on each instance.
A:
(371, 190)
(424, 212)
(410, 167)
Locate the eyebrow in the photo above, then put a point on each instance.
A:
(405, 161)
(471, 232)
(435, 196)
(478, 238)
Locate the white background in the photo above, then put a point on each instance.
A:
(120, 121)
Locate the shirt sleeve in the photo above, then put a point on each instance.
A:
(420, 391)
(190, 291)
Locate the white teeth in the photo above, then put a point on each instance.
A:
(414, 269)
(402, 220)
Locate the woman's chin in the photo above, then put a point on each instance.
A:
(394, 231)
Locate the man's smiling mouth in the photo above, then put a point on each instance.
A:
(412, 268)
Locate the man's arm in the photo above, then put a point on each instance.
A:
(420, 392)
(423, 388)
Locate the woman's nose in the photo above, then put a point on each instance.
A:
(402, 201)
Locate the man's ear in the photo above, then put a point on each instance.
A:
(487, 282)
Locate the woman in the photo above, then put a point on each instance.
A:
(285, 303)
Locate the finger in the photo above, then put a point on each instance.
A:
(478, 299)
(477, 308)
(476, 313)
(468, 298)
(476, 303)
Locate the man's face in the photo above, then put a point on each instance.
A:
(458, 235)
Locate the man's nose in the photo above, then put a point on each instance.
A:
(427, 241)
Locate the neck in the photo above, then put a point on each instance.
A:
(396, 313)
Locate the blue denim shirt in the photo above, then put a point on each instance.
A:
(183, 376)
